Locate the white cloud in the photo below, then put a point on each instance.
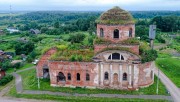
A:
(92, 4)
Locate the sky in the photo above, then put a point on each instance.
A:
(88, 5)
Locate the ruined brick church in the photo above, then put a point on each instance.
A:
(112, 65)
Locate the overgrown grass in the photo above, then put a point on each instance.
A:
(26, 65)
(171, 67)
(30, 83)
(77, 99)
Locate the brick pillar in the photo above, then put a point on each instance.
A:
(101, 66)
(111, 74)
(120, 75)
(130, 75)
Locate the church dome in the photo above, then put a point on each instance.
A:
(116, 16)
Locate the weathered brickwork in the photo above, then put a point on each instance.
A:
(44, 61)
(100, 47)
(108, 31)
(116, 69)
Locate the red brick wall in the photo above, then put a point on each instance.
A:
(99, 47)
(44, 60)
(2, 74)
(143, 70)
(73, 67)
(109, 31)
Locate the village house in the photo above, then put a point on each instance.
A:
(116, 63)
(35, 31)
(12, 29)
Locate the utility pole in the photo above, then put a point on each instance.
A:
(152, 35)
(157, 90)
(38, 78)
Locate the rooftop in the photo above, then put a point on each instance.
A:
(116, 16)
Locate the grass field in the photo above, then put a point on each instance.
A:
(171, 67)
(77, 99)
(30, 83)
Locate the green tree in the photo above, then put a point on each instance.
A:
(56, 25)
(76, 37)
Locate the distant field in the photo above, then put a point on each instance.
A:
(7, 14)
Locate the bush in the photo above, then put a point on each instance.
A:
(149, 55)
(76, 38)
(17, 65)
(6, 79)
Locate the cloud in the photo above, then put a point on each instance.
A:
(90, 4)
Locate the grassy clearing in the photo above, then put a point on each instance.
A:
(171, 67)
(30, 83)
(27, 65)
(77, 99)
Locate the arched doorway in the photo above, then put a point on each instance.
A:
(115, 79)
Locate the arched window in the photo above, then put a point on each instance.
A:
(101, 32)
(130, 32)
(124, 76)
(116, 33)
(78, 77)
(106, 76)
(61, 76)
(87, 77)
(122, 58)
(69, 76)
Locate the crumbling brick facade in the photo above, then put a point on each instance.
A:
(114, 69)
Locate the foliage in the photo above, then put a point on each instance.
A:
(116, 15)
(24, 48)
(142, 32)
(73, 55)
(5, 64)
(160, 38)
(167, 23)
(143, 47)
(6, 79)
(76, 37)
(17, 65)
(149, 55)
(105, 41)
(31, 56)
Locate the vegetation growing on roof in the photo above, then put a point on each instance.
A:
(72, 53)
(117, 48)
(130, 41)
(116, 15)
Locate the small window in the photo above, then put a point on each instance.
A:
(101, 32)
(61, 76)
(125, 77)
(109, 57)
(69, 76)
(130, 32)
(106, 76)
(87, 77)
(116, 33)
(78, 77)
